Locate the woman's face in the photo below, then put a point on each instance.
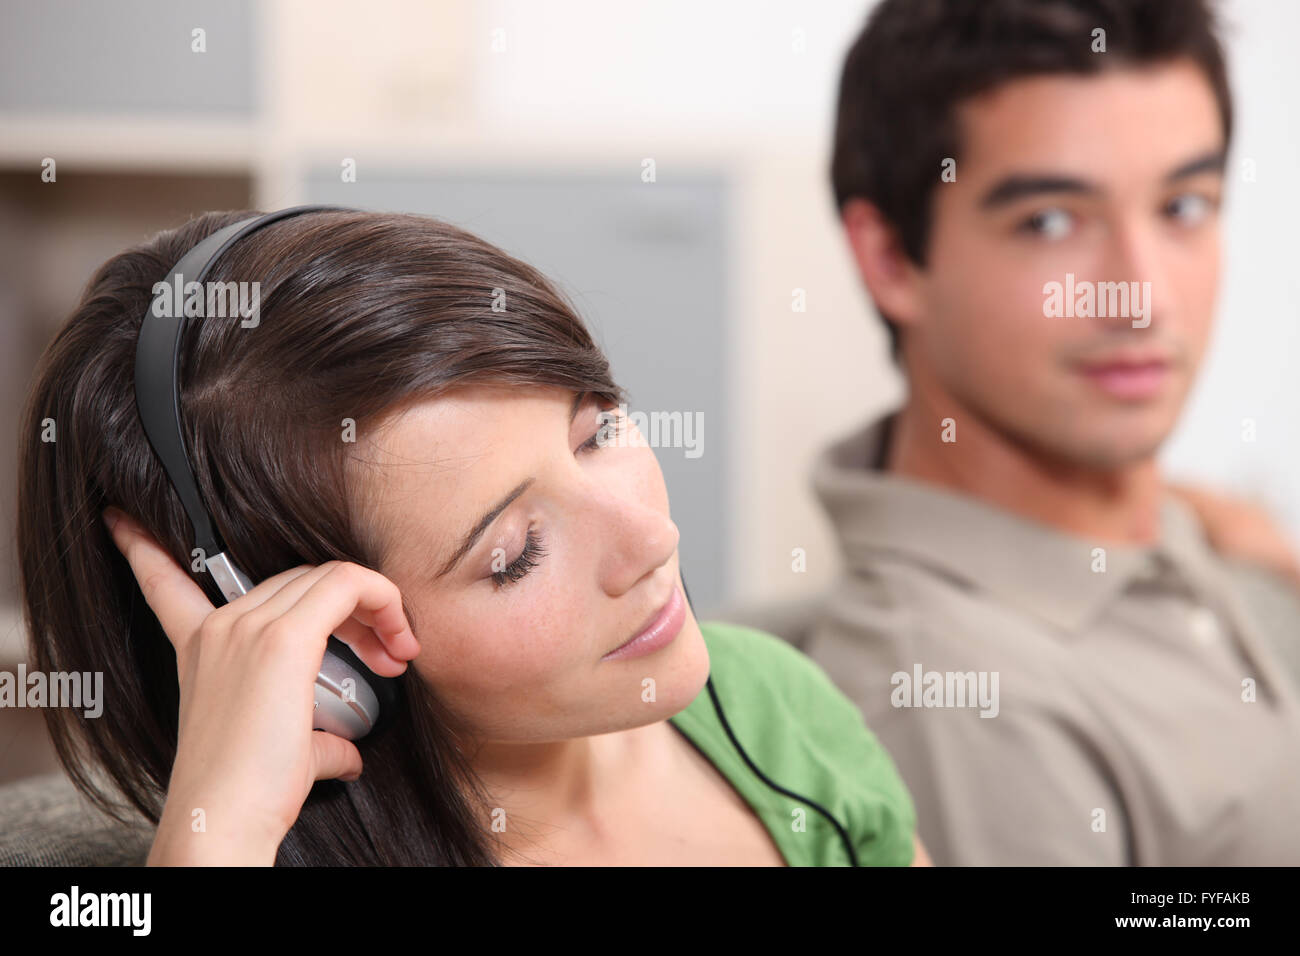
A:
(577, 553)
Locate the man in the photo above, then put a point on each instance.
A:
(1034, 623)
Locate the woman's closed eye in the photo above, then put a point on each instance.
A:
(527, 560)
(611, 422)
(533, 551)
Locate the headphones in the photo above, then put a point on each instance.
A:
(350, 699)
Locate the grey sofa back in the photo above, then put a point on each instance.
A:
(45, 821)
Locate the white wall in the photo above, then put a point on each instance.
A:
(1252, 368)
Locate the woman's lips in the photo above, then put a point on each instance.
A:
(665, 626)
(1131, 380)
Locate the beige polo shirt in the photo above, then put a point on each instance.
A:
(1135, 711)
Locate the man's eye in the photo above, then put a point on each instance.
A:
(1049, 223)
(527, 560)
(1196, 210)
(607, 434)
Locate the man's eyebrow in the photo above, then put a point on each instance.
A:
(477, 531)
(1211, 162)
(1019, 185)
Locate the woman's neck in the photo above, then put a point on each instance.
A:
(560, 800)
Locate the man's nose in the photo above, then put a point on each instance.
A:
(1132, 289)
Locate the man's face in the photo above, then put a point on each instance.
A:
(1114, 178)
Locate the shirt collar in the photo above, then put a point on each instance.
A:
(1025, 563)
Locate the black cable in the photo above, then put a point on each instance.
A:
(844, 837)
(717, 706)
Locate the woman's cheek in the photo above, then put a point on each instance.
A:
(478, 668)
(527, 639)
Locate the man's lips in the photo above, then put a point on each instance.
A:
(1125, 358)
(1127, 375)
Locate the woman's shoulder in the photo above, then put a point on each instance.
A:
(803, 732)
(763, 659)
(756, 664)
(753, 669)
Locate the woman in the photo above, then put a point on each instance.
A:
(417, 427)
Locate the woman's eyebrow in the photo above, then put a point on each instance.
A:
(477, 531)
(577, 404)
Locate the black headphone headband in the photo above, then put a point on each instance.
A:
(157, 368)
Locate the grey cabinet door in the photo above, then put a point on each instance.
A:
(130, 56)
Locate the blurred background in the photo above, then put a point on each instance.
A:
(532, 124)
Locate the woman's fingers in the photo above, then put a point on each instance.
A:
(359, 630)
(366, 605)
(363, 608)
(245, 710)
(179, 604)
(332, 757)
(361, 638)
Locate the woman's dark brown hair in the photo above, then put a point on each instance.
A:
(360, 313)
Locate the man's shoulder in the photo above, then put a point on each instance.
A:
(775, 680)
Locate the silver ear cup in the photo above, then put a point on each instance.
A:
(345, 704)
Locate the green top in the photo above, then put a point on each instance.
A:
(807, 737)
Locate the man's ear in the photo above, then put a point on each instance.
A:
(889, 275)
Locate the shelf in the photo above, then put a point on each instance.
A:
(128, 143)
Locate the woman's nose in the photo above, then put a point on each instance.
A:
(639, 541)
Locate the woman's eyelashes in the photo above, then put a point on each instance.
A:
(610, 424)
(527, 560)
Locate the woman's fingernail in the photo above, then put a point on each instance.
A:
(110, 518)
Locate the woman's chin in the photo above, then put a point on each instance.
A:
(680, 673)
(666, 681)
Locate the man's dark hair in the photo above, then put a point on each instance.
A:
(915, 60)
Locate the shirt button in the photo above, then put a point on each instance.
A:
(1204, 625)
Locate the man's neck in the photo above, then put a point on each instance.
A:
(1120, 505)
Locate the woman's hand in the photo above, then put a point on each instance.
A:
(246, 754)
(1242, 530)
(920, 857)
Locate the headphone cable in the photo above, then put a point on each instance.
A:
(844, 837)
